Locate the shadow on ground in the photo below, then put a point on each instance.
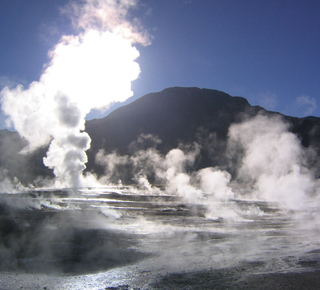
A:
(238, 278)
(38, 241)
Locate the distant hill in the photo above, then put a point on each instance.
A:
(175, 116)
(182, 116)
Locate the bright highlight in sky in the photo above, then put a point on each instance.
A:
(94, 69)
(87, 71)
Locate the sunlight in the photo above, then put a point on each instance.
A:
(94, 69)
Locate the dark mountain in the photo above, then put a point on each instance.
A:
(177, 116)
(183, 116)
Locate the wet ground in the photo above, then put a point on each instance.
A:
(121, 238)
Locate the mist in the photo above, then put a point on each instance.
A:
(269, 162)
(151, 213)
(88, 70)
(274, 163)
(157, 207)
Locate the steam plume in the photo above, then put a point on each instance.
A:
(274, 161)
(208, 186)
(86, 71)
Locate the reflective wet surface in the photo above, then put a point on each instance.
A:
(99, 238)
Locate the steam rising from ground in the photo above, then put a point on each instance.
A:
(274, 162)
(86, 71)
(173, 172)
(198, 221)
(271, 165)
(95, 68)
(92, 70)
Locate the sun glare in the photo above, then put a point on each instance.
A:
(94, 69)
(87, 71)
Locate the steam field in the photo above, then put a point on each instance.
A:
(122, 237)
(239, 201)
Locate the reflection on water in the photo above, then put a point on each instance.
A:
(119, 236)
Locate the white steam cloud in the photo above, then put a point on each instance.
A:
(269, 161)
(86, 71)
(173, 172)
(274, 161)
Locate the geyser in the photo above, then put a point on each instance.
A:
(90, 70)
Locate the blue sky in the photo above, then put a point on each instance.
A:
(265, 51)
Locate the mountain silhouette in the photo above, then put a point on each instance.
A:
(174, 117)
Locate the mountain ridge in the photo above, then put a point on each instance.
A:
(177, 116)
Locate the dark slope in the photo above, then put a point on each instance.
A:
(175, 115)
(183, 116)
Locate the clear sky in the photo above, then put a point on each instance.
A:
(265, 51)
